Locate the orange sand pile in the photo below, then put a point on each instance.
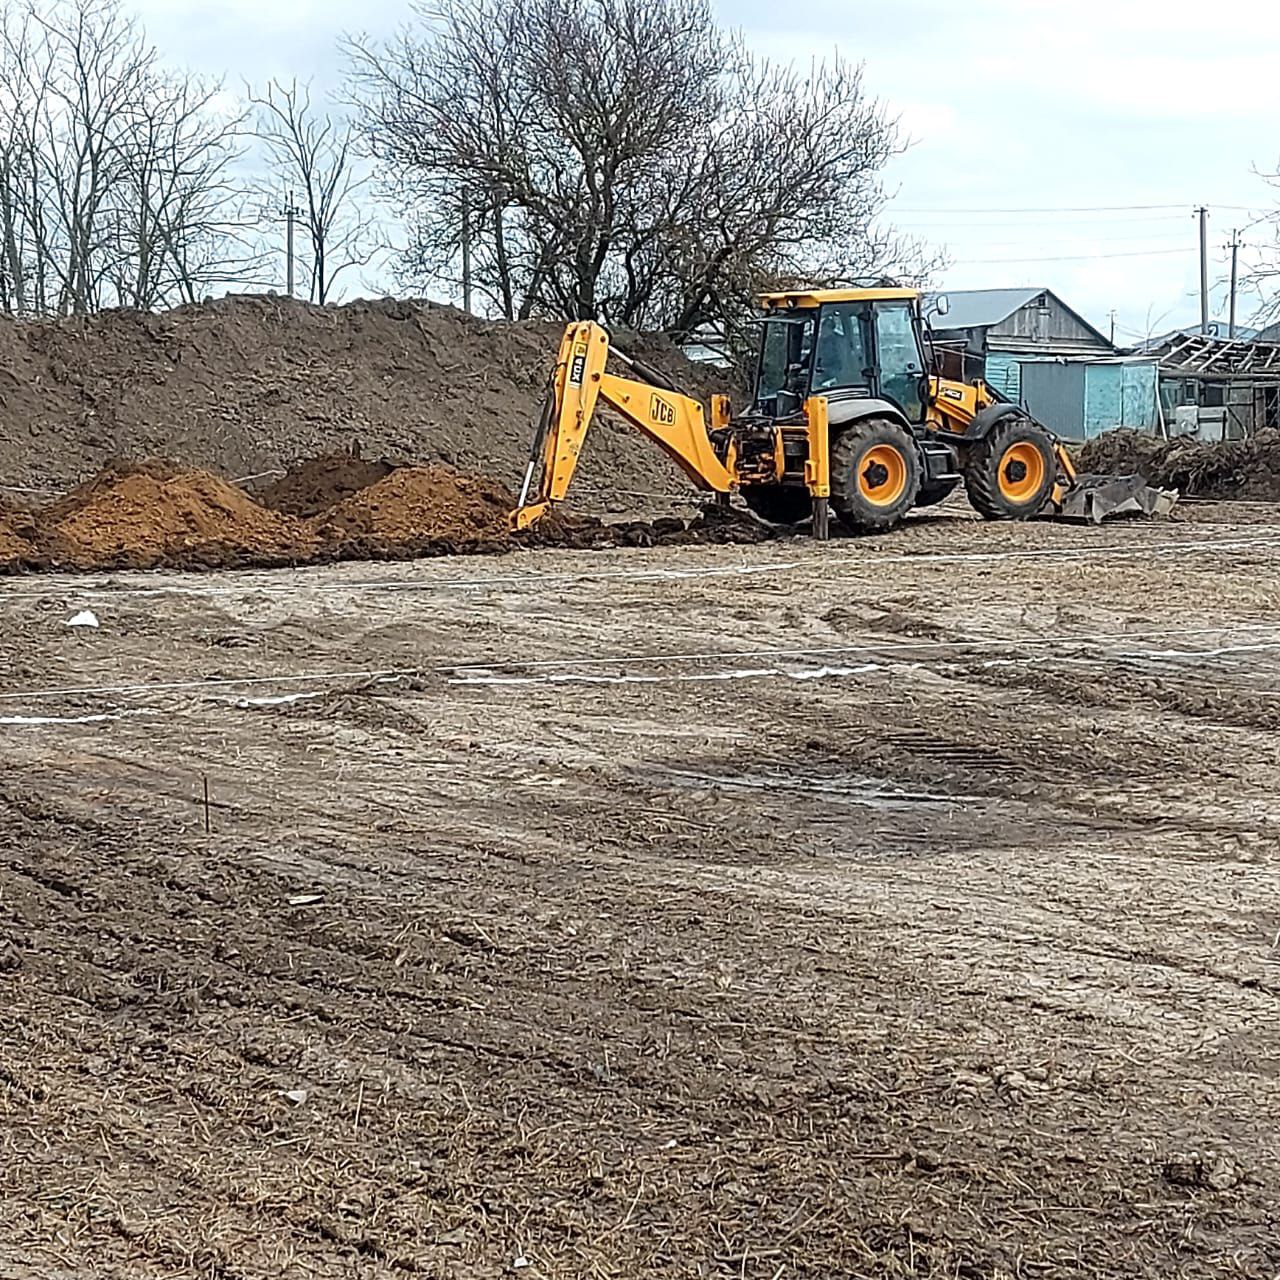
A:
(159, 513)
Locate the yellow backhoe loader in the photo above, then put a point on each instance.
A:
(849, 412)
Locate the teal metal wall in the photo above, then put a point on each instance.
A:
(1078, 400)
(1054, 394)
(1004, 374)
(1119, 395)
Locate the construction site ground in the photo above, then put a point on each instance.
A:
(901, 907)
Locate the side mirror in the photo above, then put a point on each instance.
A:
(940, 305)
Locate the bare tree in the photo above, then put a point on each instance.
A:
(313, 157)
(620, 159)
(183, 218)
(116, 177)
(1260, 275)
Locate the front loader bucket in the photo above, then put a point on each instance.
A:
(1095, 498)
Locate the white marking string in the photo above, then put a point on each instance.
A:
(821, 563)
(897, 646)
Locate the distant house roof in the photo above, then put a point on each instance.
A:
(1220, 359)
(982, 308)
(972, 310)
(1217, 329)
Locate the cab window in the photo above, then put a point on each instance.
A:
(784, 345)
(841, 359)
(901, 364)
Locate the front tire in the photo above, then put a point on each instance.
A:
(782, 504)
(1011, 471)
(875, 474)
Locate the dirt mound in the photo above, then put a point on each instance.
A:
(244, 385)
(161, 513)
(16, 531)
(1227, 469)
(421, 505)
(313, 485)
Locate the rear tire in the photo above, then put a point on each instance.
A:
(1010, 473)
(875, 474)
(778, 503)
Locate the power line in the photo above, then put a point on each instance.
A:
(1096, 208)
(1079, 241)
(1069, 220)
(1072, 257)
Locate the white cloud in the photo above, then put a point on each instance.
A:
(1057, 105)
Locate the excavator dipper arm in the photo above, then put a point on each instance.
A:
(675, 422)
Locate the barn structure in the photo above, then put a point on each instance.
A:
(1005, 328)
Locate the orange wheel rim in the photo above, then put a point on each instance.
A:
(882, 475)
(1022, 471)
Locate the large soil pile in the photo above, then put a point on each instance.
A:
(16, 528)
(244, 385)
(1228, 469)
(313, 485)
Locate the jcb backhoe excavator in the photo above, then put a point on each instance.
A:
(848, 411)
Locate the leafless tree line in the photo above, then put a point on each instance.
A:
(626, 160)
(125, 183)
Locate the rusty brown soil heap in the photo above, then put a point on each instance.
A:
(162, 514)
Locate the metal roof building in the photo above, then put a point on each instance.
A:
(1008, 327)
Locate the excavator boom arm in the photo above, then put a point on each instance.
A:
(675, 422)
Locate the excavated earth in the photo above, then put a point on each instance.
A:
(245, 385)
(903, 907)
(1230, 469)
(625, 905)
(163, 514)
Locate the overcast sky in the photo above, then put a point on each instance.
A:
(1057, 144)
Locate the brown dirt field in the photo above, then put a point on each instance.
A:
(898, 908)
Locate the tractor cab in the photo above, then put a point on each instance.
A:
(843, 344)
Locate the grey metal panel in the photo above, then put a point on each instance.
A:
(1054, 395)
(980, 308)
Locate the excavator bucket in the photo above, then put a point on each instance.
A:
(1095, 498)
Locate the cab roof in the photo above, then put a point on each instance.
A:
(807, 299)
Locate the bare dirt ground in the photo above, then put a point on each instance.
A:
(903, 907)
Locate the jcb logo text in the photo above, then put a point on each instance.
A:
(661, 411)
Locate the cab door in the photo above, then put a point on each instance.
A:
(899, 360)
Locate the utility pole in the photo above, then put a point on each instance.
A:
(466, 252)
(1204, 270)
(1112, 314)
(291, 214)
(1235, 260)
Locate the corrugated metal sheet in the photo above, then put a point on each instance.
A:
(1140, 393)
(1054, 395)
(1079, 400)
(1120, 395)
(1004, 373)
